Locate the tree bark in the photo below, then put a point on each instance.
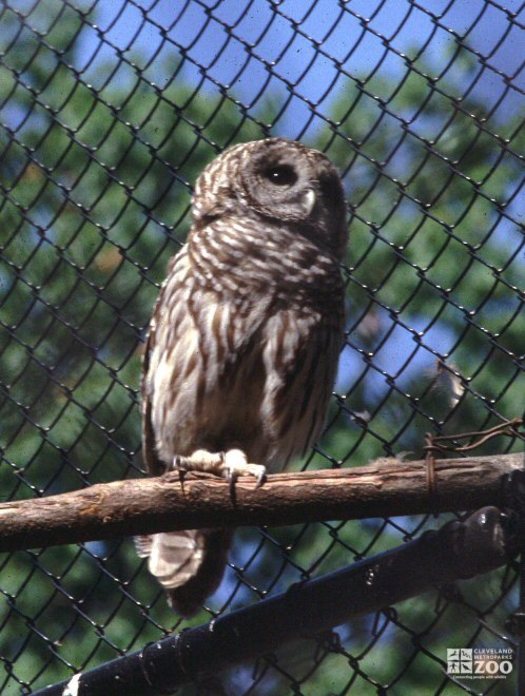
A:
(384, 488)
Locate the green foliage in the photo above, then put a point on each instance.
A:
(96, 190)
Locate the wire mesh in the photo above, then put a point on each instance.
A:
(108, 112)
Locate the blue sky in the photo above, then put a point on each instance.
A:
(352, 35)
(244, 46)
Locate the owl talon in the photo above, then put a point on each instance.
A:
(235, 464)
(180, 464)
(231, 477)
(177, 465)
(261, 478)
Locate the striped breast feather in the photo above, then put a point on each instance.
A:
(300, 357)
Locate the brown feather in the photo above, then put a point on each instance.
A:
(244, 340)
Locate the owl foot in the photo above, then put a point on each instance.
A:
(235, 463)
(230, 465)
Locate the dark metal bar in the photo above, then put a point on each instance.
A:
(520, 632)
(457, 550)
(513, 490)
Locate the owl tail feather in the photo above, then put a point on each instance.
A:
(189, 564)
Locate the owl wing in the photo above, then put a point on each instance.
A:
(204, 344)
(149, 452)
(179, 355)
(149, 455)
(189, 564)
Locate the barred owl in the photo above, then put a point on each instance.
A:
(244, 340)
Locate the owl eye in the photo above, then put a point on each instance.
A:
(281, 175)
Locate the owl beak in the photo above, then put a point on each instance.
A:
(309, 201)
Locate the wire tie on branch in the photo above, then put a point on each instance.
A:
(435, 443)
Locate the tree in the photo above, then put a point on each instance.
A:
(96, 185)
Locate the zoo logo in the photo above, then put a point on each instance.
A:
(479, 663)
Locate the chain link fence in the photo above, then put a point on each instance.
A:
(108, 112)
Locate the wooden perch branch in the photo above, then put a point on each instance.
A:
(384, 488)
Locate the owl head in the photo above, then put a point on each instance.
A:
(281, 181)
